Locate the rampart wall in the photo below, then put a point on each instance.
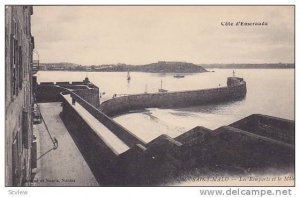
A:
(50, 91)
(235, 148)
(125, 135)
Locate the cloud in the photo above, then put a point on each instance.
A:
(143, 34)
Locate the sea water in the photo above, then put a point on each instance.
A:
(269, 91)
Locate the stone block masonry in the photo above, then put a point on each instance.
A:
(236, 89)
(19, 45)
(50, 91)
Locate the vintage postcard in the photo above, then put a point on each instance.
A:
(149, 95)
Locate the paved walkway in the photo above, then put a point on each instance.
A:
(64, 166)
(109, 138)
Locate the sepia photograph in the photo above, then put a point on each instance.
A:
(149, 95)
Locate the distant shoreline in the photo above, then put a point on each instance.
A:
(209, 70)
(249, 66)
(159, 67)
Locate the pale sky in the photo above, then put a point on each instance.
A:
(145, 34)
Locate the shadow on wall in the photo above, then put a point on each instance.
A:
(97, 155)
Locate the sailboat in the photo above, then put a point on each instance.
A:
(128, 76)
(161, 89)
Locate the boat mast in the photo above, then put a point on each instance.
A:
(128, 75)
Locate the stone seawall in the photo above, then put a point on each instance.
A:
(235, 89)
(50, 91)
(254, 144)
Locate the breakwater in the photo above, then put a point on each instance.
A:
(235, 89)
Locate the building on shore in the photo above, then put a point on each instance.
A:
(19, 45)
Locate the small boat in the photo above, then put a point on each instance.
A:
(178, 76)
(128, 76)
(161, 89)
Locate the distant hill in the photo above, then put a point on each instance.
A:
(170, 67)
(159, 67)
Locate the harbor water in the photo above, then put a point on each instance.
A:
(269, 91)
